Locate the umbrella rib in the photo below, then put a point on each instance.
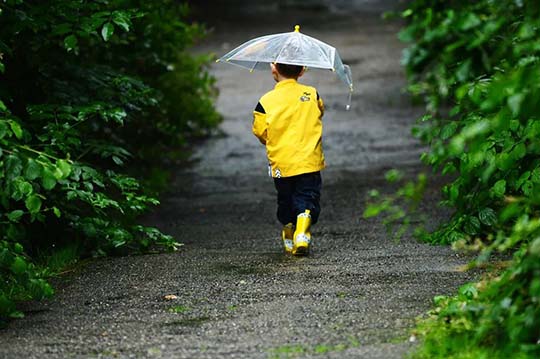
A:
(282, 48)
(331, 61)
(253, 67)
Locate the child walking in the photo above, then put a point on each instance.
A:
(288, 121)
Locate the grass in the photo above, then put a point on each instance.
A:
(58, 261)
(440, 343)
(188, 322)
(179, 309)
(287, 351)
(466, 353)
(296, 350)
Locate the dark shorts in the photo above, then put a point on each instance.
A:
(296, 194)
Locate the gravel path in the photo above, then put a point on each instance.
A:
(235, 294)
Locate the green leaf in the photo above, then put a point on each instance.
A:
(13, 167)
(475, 129)
(468, 290)
(7, 306)
(393, 175)
(70, 43)
(511, 211)
(18, 248)
(453, 192)
(3, 107)
(33, 203)
(118, 243)
(57, 173)
(457, 145)
(107, 31)
(407, 13)
(535, 175)
(3, 129)
(523, 178)
(464, 70)
(470, 21)
(14, 216)
(472, 225)
(448, 130)
(117, 160)
(64, 167)
(527, 188)
(439, 299)
(122, 20)
(19, 265)
(519, 151)
(25, 188)
(449, 168)
(48, 180)
(526, 31)
(15, 232)
(514, 103)
(487, 216)
(498, 189)
(16, 128)
(57, 212)
(373, 210)
(33, 170)
(16, 315)
(46, 289)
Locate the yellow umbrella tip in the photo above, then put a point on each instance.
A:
(297, 28)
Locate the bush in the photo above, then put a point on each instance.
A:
(476, 64)
(84, 87)
(496, 318)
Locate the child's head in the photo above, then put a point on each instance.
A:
(285, 71)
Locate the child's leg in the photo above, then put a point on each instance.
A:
(285, 189)
(307, 193)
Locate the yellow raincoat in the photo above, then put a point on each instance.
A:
(288, 121)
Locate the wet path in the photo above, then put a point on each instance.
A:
(235, 294)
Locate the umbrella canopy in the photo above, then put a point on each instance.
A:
(292, 48)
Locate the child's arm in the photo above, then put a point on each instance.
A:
(259, 123)
(320, 103)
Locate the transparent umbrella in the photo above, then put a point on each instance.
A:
(293, 48)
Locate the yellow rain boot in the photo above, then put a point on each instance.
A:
(287, 235)
(302, 235)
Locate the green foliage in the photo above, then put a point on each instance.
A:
(54, 261)
(488, 140)
(179, 309)
(476, 65)
(482, 60)
(84, 87)
(496, 318)
(297, 351)
(400, 208)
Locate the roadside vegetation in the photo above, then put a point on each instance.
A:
(87, 89)
(476, 66)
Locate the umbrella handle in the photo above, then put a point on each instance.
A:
(348, 106)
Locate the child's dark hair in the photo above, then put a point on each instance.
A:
(289, 71)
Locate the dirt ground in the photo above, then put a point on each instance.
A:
(236, 294)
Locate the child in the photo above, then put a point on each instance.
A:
(288, 121)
